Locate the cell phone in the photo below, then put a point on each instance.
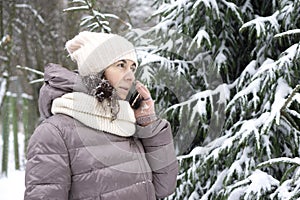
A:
(135, 100)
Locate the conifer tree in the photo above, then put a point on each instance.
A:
(254, 47)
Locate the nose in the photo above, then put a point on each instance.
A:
(129, 76)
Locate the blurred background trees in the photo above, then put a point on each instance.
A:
(33, 33)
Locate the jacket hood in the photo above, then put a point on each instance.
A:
(57, 82)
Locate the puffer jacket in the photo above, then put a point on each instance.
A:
(68, 160)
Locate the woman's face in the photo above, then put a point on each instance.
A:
(121, 76)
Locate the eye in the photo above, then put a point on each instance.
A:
(121, 64)
(133, 68)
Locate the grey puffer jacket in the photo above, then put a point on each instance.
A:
(68, 160)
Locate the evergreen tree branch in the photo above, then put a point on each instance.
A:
(30, 70)
(283, 111)
(291, 96)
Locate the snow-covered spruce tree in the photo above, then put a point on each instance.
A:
(94, 19)
(254, 47)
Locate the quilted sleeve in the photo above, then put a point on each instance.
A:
(159, 148)
(47, 173)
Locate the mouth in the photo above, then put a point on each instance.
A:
(125, 89)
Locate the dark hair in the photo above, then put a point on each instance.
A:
(99, 87)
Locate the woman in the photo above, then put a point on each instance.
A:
(92, 144)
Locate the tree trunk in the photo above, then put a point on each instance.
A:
(1, 19)
(15, 120)
(5, 136)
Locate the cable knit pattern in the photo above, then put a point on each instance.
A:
(94, 114)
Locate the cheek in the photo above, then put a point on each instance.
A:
(113, 78)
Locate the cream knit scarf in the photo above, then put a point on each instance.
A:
(92, 113)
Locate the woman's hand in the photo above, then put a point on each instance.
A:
(145, 114)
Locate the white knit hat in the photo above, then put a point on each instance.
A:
(93, 52)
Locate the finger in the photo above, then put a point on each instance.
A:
(141, 87)
(144, 92)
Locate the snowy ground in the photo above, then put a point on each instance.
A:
(12, 187)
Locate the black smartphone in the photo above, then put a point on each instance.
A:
(134, 98)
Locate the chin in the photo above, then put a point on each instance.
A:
(122, 96)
